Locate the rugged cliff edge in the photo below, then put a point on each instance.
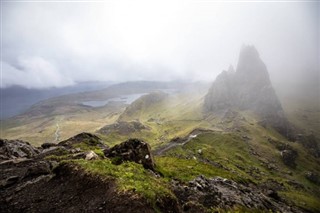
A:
(248, 88)
(70, 177)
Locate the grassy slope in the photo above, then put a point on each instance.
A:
(229, 150)
(303, 111)
(180, 115)
(246, 160)
(174, 117)
(40, 129)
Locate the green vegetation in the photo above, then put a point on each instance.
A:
(87, 146)
(99, 152)
(175, 117)
(230, 156)
(72, 121)
(186, 170)
(303, 200)
(130, 177)
(58, 157)
(238, 209)
(225, 153)
(237, 148)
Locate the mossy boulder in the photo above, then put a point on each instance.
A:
(132, 150)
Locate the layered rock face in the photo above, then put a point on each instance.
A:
(247, 88)
(226, 194)
(34, 180)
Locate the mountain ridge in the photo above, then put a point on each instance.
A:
(248, 88)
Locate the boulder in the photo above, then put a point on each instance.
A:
(54, 150)
(289, 157)
(89, 155)
(132, 150)
(11, 149)
(20, 170)
(313, 177)
(48, 145)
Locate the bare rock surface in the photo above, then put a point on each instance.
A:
(10, 149)
(248, 88)
(132, 150)
(225, 194)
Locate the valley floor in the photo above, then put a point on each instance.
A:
(194, 154)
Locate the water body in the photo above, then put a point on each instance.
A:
(126, 99)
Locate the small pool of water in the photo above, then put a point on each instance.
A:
(126, 99)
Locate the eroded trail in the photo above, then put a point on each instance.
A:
(182, 141)
(174, 143)
(57, 132)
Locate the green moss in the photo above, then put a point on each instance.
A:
(186, 170)
(58, 157)
(227, 150)
(303, 200)
(99, 152)
(86, 146)
(129, 176)
(239, 209)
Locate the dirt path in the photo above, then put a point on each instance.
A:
(57, 132)
(182, 141)
(174, 143)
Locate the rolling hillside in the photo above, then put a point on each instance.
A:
(190, 147)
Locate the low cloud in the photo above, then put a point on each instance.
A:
(34, 72)
(47, 44)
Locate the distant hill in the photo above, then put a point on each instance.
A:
(17, 99)
(138, 106)
(216, 162)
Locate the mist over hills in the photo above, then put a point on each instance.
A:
(127, 106)
(173, 146)
(248, 88)
(17, 99)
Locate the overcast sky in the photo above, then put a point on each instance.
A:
(47, 44)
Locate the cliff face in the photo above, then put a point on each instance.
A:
(247, 88)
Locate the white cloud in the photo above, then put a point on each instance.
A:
(153, 40)
(33, 72)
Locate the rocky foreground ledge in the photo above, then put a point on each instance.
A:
(82, 174)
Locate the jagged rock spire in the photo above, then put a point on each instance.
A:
(248, 88)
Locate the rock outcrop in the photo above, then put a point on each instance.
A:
(123, 128)
(248, 88)
(86, 138)
(132, 150)
(32, 181)
(222, 193)
(68, 189)
(289, 157)
(311, 143)
(45, 183)
(288, 153)
(313, 177)
(16, 149)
